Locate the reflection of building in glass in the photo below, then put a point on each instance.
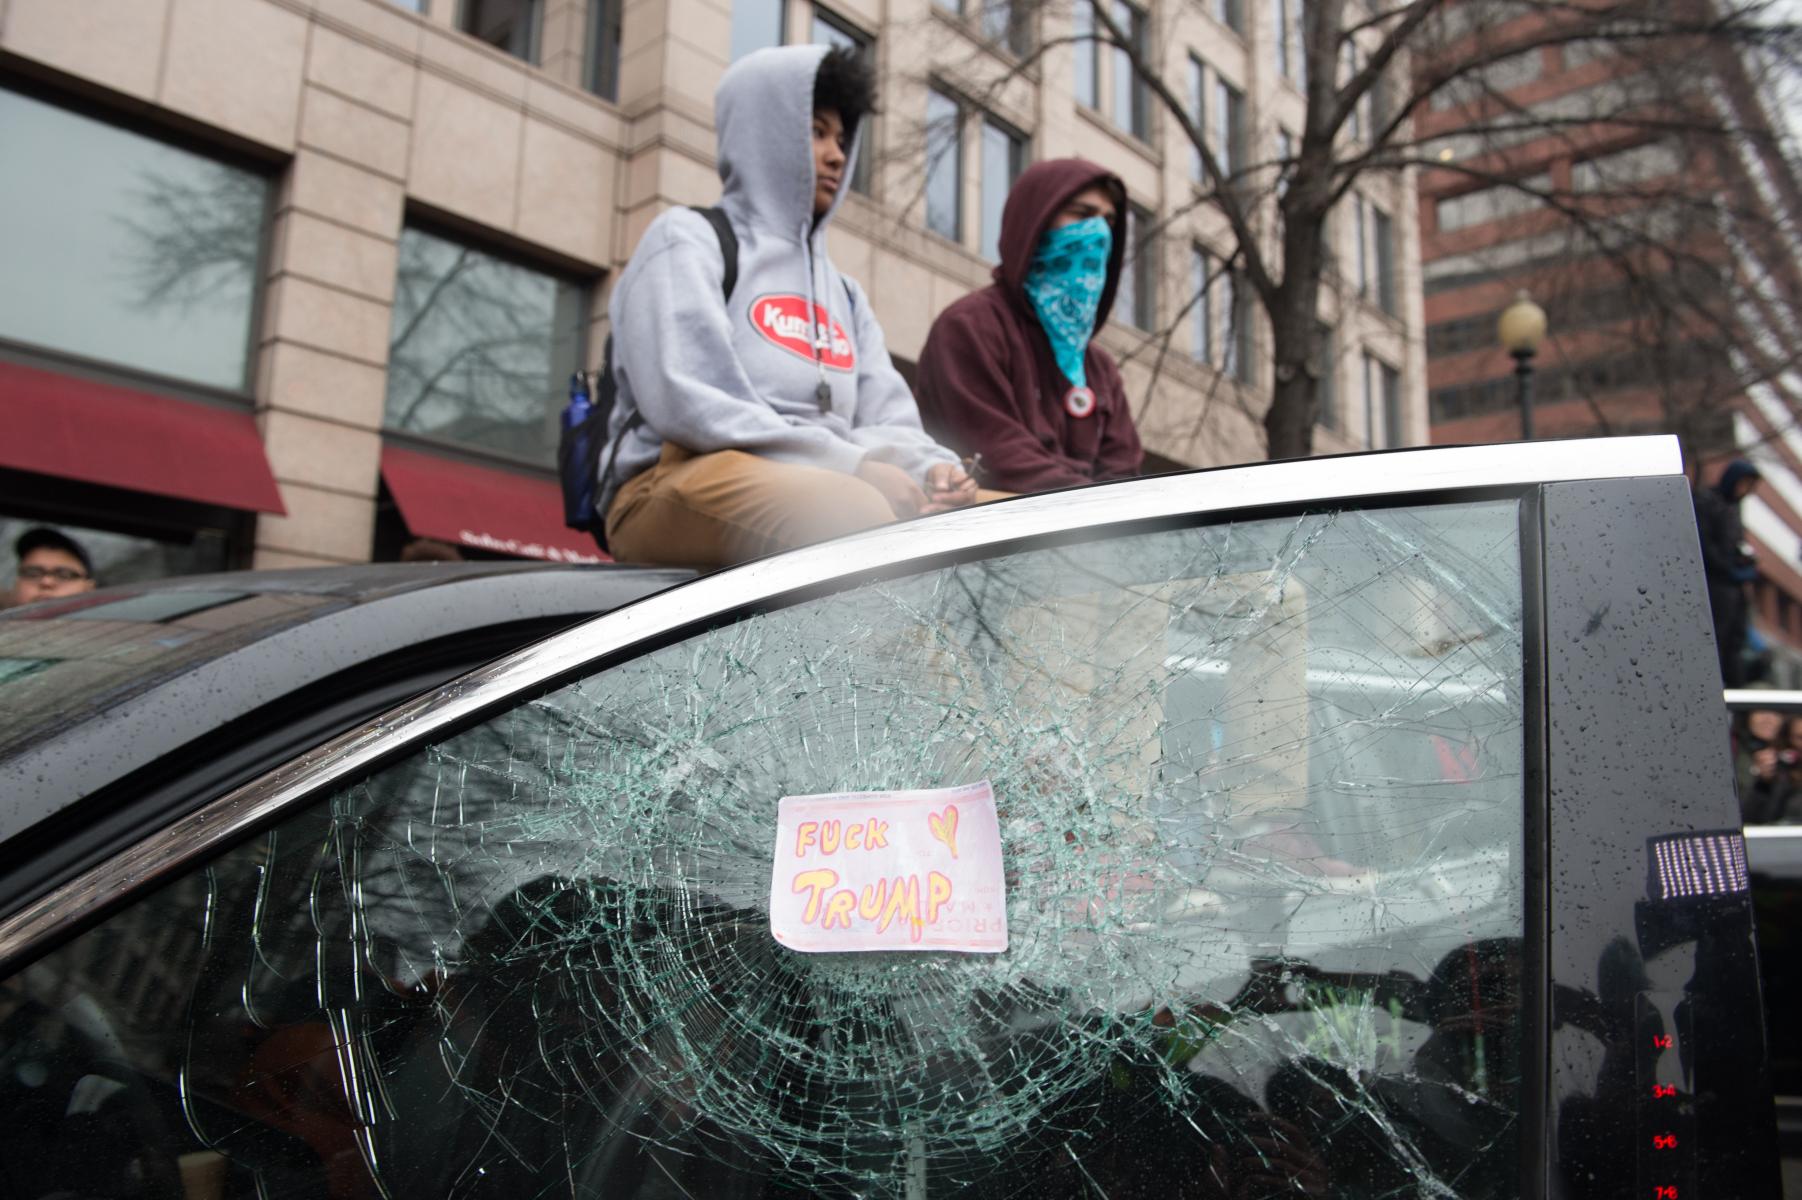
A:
(266, 276)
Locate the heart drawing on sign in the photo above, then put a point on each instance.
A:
(944, 827)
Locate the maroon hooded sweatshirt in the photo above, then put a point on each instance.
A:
(988, 382)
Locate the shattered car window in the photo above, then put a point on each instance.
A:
(1260, 797)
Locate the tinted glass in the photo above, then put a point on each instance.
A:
(480, 348)
(1259, 789)
(96, 651)
(125, 249)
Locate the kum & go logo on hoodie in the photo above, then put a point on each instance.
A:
(782, 320)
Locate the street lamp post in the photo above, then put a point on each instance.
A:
(1520, 329)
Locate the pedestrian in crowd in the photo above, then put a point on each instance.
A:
(1728, 563)
(1013, 372)
(51, 564)
(1768, 768)
(771, 418)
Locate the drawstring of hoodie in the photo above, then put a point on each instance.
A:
(823, 393)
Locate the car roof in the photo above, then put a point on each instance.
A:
(95, 686)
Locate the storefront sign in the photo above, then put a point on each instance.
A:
(915, 870)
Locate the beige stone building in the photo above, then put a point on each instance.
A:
(293, 282)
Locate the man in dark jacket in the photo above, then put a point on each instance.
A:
(1727, 565)
(1010, 372)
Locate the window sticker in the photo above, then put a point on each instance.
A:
(910, 870)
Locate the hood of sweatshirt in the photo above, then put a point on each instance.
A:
(764, 113)
(1043, 189)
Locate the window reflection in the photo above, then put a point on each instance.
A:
(509, 25)
(944, 165)
(125, 249)
(1003, 157)
(478, 348)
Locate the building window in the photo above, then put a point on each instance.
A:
(1229, 127)
(1201, 316)
(1239, 363)
(1491, 203)
(1135, 300)
(1282, 37)
(418, 6)
(944, 165)
(1285, 167)
(125, 249)
(509, 25)
(1230, 13)
(1382, 232)
(1197, 115)
(756, 24)
(1132, 97)
(601, 70)
(1326, 365)
(1086, 50)
(1003, 157)
(1390, 381)
(1382, 404)
(829, 30)
(479, 348)
(1008, 24)
(1361, 238)
(1623, 170)
(1359, 124)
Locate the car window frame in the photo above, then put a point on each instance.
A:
(1415, 476)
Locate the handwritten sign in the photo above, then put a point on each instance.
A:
(916, 870)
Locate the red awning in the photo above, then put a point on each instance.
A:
(101, 433)
(467, 505)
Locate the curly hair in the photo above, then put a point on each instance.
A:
(845, 85)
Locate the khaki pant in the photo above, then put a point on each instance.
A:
(709, 510)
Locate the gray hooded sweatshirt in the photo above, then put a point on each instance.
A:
(710, 373)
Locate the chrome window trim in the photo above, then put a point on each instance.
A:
(1746, 699)
(1444, 470)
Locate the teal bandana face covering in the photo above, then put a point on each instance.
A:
(1064, 283)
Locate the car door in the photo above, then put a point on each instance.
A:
(1307, 876)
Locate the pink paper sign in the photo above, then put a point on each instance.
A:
(917, 870)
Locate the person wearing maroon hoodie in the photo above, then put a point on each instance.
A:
(990, 379)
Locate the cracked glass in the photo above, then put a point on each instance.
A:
(1259, 788)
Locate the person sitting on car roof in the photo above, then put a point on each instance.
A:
(1012, 372)
(773, 418)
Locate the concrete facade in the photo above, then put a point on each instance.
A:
(369, 116)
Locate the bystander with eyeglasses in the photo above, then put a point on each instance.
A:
(51, 565)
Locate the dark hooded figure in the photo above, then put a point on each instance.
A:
(1010, 372)
(1727, 564)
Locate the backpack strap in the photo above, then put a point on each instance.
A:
(722, 229)
(728, 239)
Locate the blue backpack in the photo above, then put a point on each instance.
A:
(591, 398)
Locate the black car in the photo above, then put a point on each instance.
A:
(1364, 831)
(125, 708)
